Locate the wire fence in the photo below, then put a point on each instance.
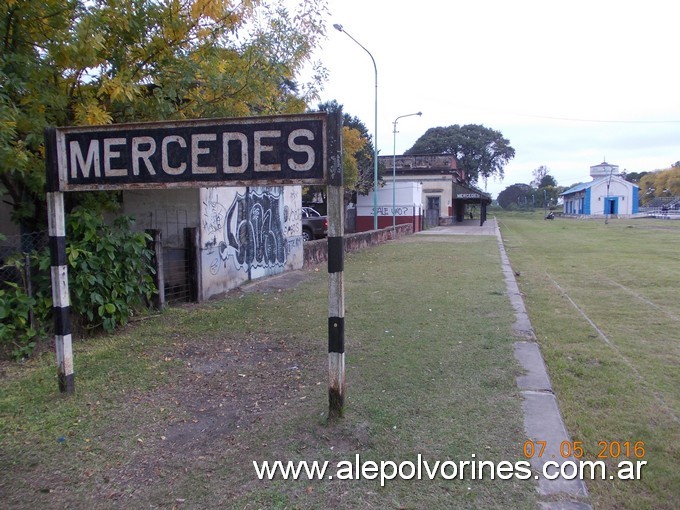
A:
(15, 254)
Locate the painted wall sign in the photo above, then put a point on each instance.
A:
(209, 152)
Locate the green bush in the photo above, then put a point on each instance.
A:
(110, 277)
(16, 332)
(109, 270)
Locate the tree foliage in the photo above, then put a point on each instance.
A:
(542, 178)
(481, 151)
(85, 62)
(664, 183)
(357, 152)
(542, 192)
(516, 196)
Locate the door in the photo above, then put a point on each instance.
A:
(432, 213)
(612, 206)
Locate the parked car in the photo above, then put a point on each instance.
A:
(314, 225)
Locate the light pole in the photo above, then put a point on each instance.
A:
(339, 28)
(394, 169)
(607, 202)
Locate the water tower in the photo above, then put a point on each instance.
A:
(604, 169)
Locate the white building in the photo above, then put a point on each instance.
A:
(606, 194)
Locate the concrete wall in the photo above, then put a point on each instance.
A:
(407, 197)
(248, 233)
(316, 252)
(619, 190)
(170, 211)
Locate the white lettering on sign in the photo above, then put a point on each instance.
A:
(243, 142)
(172, 170)
(109, 154)
(260, 148)
(467, 195)
(144, 155)
(197, 150)
(166, 153)
(299, 133)
(91, 164)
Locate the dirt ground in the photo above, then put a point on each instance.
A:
(157, 448)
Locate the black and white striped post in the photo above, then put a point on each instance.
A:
(336, 257)
(59, 267)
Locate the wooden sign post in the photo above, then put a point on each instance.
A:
(336, 265)
(280, 150)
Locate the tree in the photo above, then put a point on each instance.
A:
(542, 178)
(85, 62)
(633, 177)
(481, 152)
(664, 183)
(357, 152)
(516, 196)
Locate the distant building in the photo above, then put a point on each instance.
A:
(606, 194)
(445, 196)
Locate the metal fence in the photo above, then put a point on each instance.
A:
(15, 254)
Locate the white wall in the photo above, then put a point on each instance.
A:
(406, 194)
(248, 233)
(617, 188)
(245, 233)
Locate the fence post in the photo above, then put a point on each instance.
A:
(29, 287)
(336, 254)
(155, 244)
(193, 257)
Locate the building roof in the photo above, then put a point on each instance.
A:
(584, 185)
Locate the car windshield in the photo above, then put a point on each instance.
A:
(308, 211)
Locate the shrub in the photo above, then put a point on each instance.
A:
(109, 279)
(16, 332)
(109, 269)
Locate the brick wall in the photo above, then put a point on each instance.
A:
(317, 251)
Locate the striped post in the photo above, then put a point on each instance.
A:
(59, 268)
(336, 256)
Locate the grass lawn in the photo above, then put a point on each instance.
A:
(604, 301)
(172, 411)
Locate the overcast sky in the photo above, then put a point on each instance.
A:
(568, 83)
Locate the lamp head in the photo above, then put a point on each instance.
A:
(338, 27)
(420, 114)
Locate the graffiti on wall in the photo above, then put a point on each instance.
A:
(248, 233)
(292, 216)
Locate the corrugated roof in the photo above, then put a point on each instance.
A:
(584, 185)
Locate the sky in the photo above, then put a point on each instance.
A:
(569, 84)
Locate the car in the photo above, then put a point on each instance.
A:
(314, 224)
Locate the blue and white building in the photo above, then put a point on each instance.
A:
(606, 194)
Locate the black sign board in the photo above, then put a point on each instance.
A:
(279, 150)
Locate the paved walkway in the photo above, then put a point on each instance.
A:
(465, 228)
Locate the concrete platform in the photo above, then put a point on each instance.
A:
(465, 228)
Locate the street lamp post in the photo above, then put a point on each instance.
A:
(394, 169)
(339, 28)
(607, 200)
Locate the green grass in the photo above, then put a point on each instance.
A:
(603, 300)
(172, 411)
